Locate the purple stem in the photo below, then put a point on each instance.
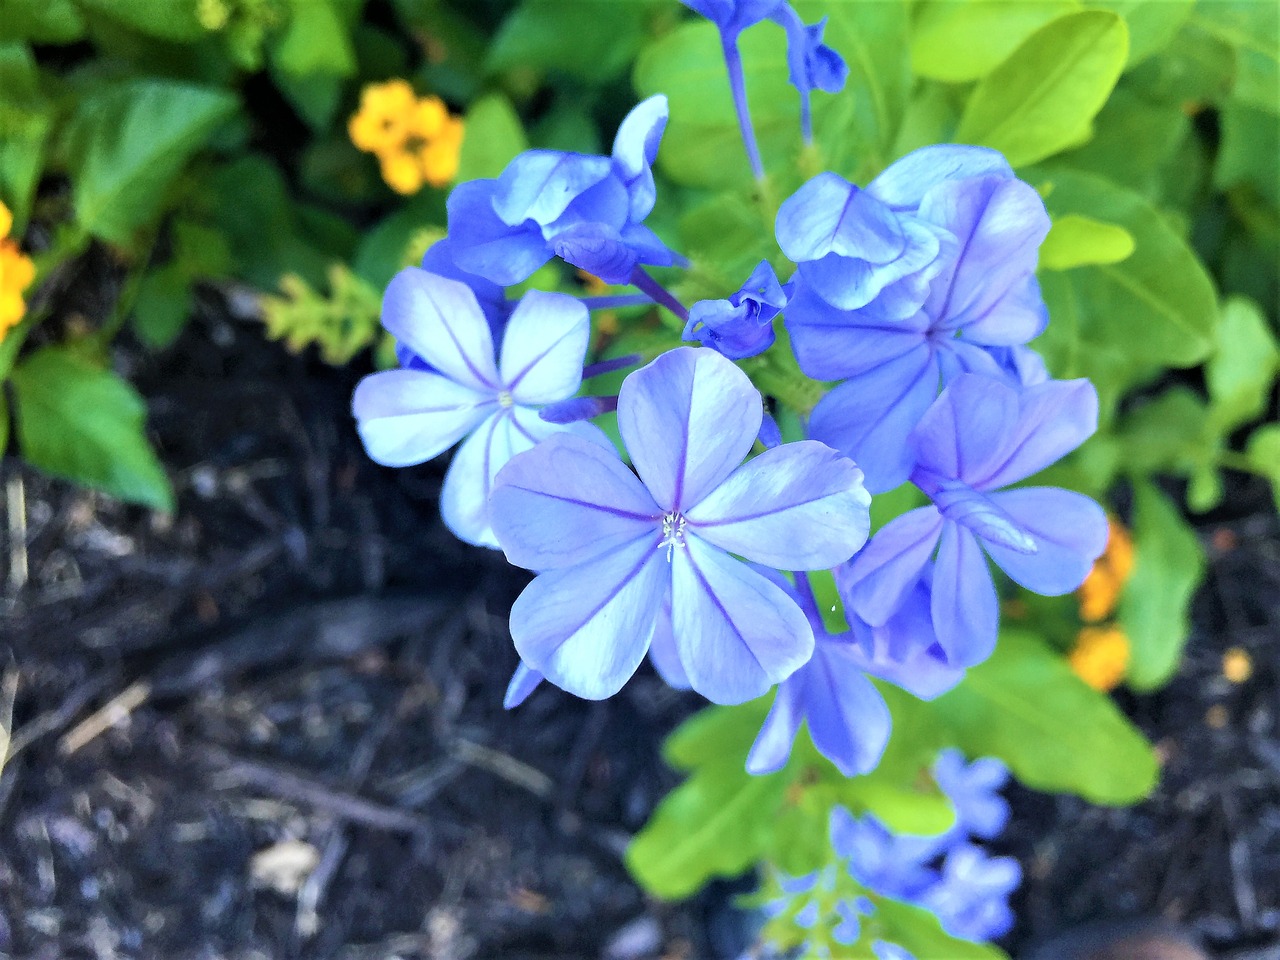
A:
(659, 293)
(617, 300)
(738, 84)
(609, 366)
(578, 408)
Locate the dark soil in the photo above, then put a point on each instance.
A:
(302, 667)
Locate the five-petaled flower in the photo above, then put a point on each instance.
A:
(415, 139)
(16, 273)
(620, 558)
(454, 387)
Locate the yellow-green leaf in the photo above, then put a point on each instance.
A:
(1077, 241)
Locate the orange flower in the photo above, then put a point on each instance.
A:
(1101, 590)
(16, 274)
(415, 139)
(1100, 657)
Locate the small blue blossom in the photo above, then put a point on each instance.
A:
(847, 717)
(453, 387)
(812, 64)
(620, 558)
(971, 896)
(978, 437)
(587, 210)
(926, 274)
(973, 790)
(741, 326)
(731, 17)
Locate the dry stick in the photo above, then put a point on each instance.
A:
(16, 501)
(504, 765)
(112, 713)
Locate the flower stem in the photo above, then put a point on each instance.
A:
(738, 84)
(659, 293)
(617, 300)
(602, 367)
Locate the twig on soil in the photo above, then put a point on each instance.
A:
(54, 720)
(15, 501)
(503, 765)
(112, 713)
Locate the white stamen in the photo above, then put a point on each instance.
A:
(672, 532)
(506, 400)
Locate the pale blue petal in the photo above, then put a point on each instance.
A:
(869, 417)
(635, 148)
(409, 416)
(966, 612)
(799, 506)
(1016, 318)
(464, 497)
(586, 628)
(772, 746)
(830, 215)
(850, 282)
(688, 419)
(597, 248)
(848, 718)
(832, 344)
(966, 430)
(441, 321)
(981, 515)
(544, 346)
(567, 501)
(523, 682)
(663, 653)
(1070, 532)
(905, 182)
(737, 633)
(1056, 417)
(878, 580)
(482, 244)
(539, 185)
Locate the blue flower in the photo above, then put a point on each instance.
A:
(894, 317)
(454, 387)
(973, 790)
(587, 210)
(847, 717)
(615, 552)
(811, 64)
(741, 326)
(979, 436)
(971, 896)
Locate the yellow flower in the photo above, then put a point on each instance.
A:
(16, 274)
(1237, 665)
(382, 123)
(415, 139)
(1101, 589)
(1100, 657)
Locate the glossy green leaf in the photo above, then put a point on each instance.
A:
(1152, 23)
(549, 35)
(1263, 454)
(918, 932)
(173, 20)
(1155, 307)
(1249, 150)
(1043, 97)
(1242, 371)
(1078, 241)
(1252, 29)
(26, 118)
(83, 423)
(493, 137)
(315, 41)
(1195, 68)
(41, 21)
(1168, 564)
(164, 303)
(136, 138)
(1171, 433)
(1056, 733)
(962, 40)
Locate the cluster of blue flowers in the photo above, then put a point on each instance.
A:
(917, 295)
(950, 875)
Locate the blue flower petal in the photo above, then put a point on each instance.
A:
(966, 612)
(772, 747)
(539, 185)
(1055, 417)
(523, 682)
(543, 348)
(737, 633)
(799, 506)
(904, 183)
(484, 245)
(635, 149)
(586, 628)
(848, 718)
(877, 582)
(409, 416)
(441, 321)
(1070, 531)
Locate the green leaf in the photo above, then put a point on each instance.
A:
(960, 40)
(1043, 97)
(1056, 733)
(918, 931)
(1078, 241)
(386, 248)
(173, 20)
(1242, 370)
(1157, 306)
(1263, 453)
(493, 137)
(41, 21)
(1169, 434)
(1151, 24)
(1252, 29)
(1195, 68)
(86, 424)
(315, 41)
(1168, 564)
(25, 121)
(1248, 151)
(4, 424)
(550, 35)
(163, 306)
(136, 138)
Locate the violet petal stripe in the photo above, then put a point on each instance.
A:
(848, 718)
(799, 506)
(965, 609)
(586, 628)
(441, 321)
(1070, 531)
(1056, 417)
(543, 348)
(878, 580)
(409, 416)
(737, 633)
(566, 501)
(688, 419)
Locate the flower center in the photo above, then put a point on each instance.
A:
(672, 532)
(506, 400)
